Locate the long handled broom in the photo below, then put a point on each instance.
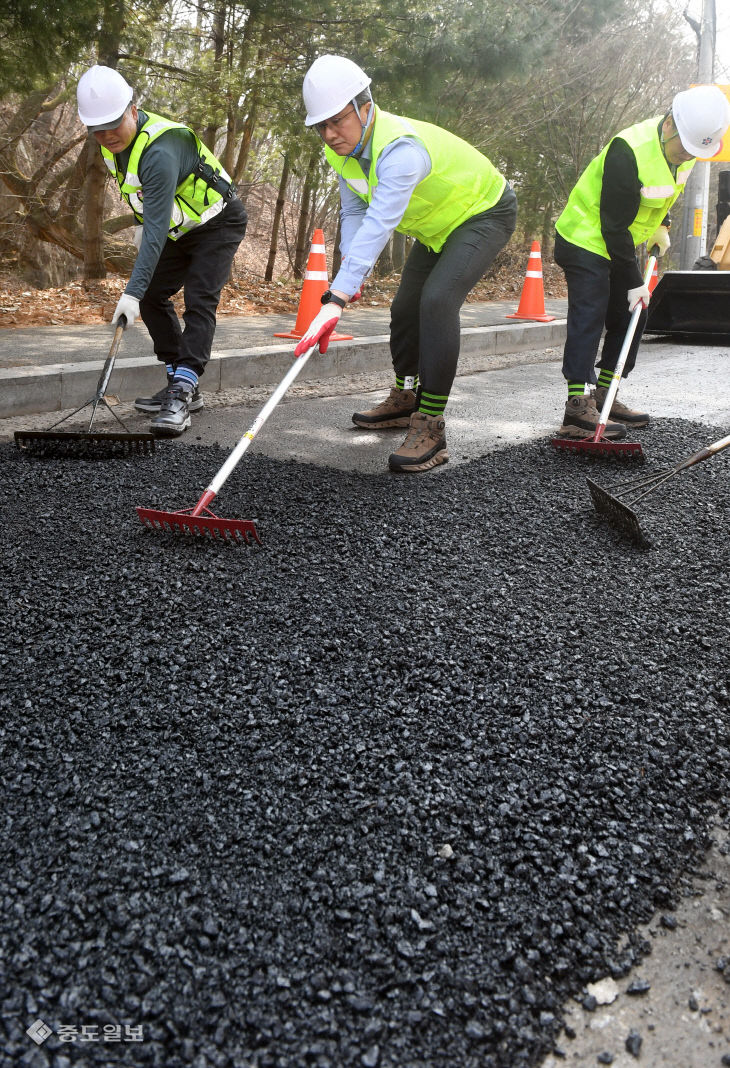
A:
(597, 445)
(85, 444)
(200, 520)
(618, 504)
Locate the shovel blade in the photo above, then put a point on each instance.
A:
(233, 531)
(620, 450)
(619, 515)
(58, 444)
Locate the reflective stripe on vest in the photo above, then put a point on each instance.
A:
(462, 182)
(195, 202)
(580, 222)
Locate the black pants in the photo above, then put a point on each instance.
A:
(597, 297)
(425, 332)
(200, 264)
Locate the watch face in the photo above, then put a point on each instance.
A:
(326, 297)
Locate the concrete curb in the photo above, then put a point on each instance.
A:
(59, 386)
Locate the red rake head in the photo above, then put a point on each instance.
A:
(233, 531)
(620, 450)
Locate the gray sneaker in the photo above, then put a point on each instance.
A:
(581, 420)
(173, 417)
(154, 403)
(395, 410)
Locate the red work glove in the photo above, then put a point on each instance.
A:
(320, 329)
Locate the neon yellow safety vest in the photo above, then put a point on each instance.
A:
(462, 182)
(580, 221)
(195, 201)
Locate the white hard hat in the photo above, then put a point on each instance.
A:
(329, 84)
(701, 115)
(102, 96)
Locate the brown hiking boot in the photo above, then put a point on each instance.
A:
(619, 411)
(581, 420)
(424, 447)
(395, 410)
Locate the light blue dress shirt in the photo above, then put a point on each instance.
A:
(366, 228)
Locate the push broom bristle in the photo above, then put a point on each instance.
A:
(50, 444)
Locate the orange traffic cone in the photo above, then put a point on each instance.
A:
(532, 301)
(654, 278)
(315, 284)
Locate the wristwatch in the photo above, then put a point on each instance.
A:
(329, 297)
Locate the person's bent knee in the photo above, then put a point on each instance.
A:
(436, 305)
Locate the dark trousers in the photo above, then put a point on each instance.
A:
(424, 318)
(597, 297)
(198, 263)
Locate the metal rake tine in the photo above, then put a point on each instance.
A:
(618, 513)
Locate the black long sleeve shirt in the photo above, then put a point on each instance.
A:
(620, 199)
(163, 166)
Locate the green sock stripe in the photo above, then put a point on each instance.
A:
(605, 378)
(576, 389)
(432, 403)
(401, 379)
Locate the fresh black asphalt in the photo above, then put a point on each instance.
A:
(384, 791)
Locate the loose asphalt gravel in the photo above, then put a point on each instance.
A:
(385, 791)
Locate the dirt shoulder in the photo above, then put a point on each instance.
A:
(673, 1009)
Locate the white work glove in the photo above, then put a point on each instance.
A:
(127, 306)
(137, 237)
(640, 295)
(320, 329)
(660, 238)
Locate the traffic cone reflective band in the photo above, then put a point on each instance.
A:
(315, 284)
(532, 301)
(654, 278)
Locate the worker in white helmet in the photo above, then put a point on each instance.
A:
(622, 200)
(406, 175)
(190, 224)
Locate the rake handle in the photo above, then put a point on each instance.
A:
(203, 503)
(613, 388)
(108, 367)
(703, 454)
(251, 433)
(656, 481)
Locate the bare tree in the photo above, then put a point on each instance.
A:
(280, 201)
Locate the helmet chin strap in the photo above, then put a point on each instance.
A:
(665, 140)
(364, 127)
